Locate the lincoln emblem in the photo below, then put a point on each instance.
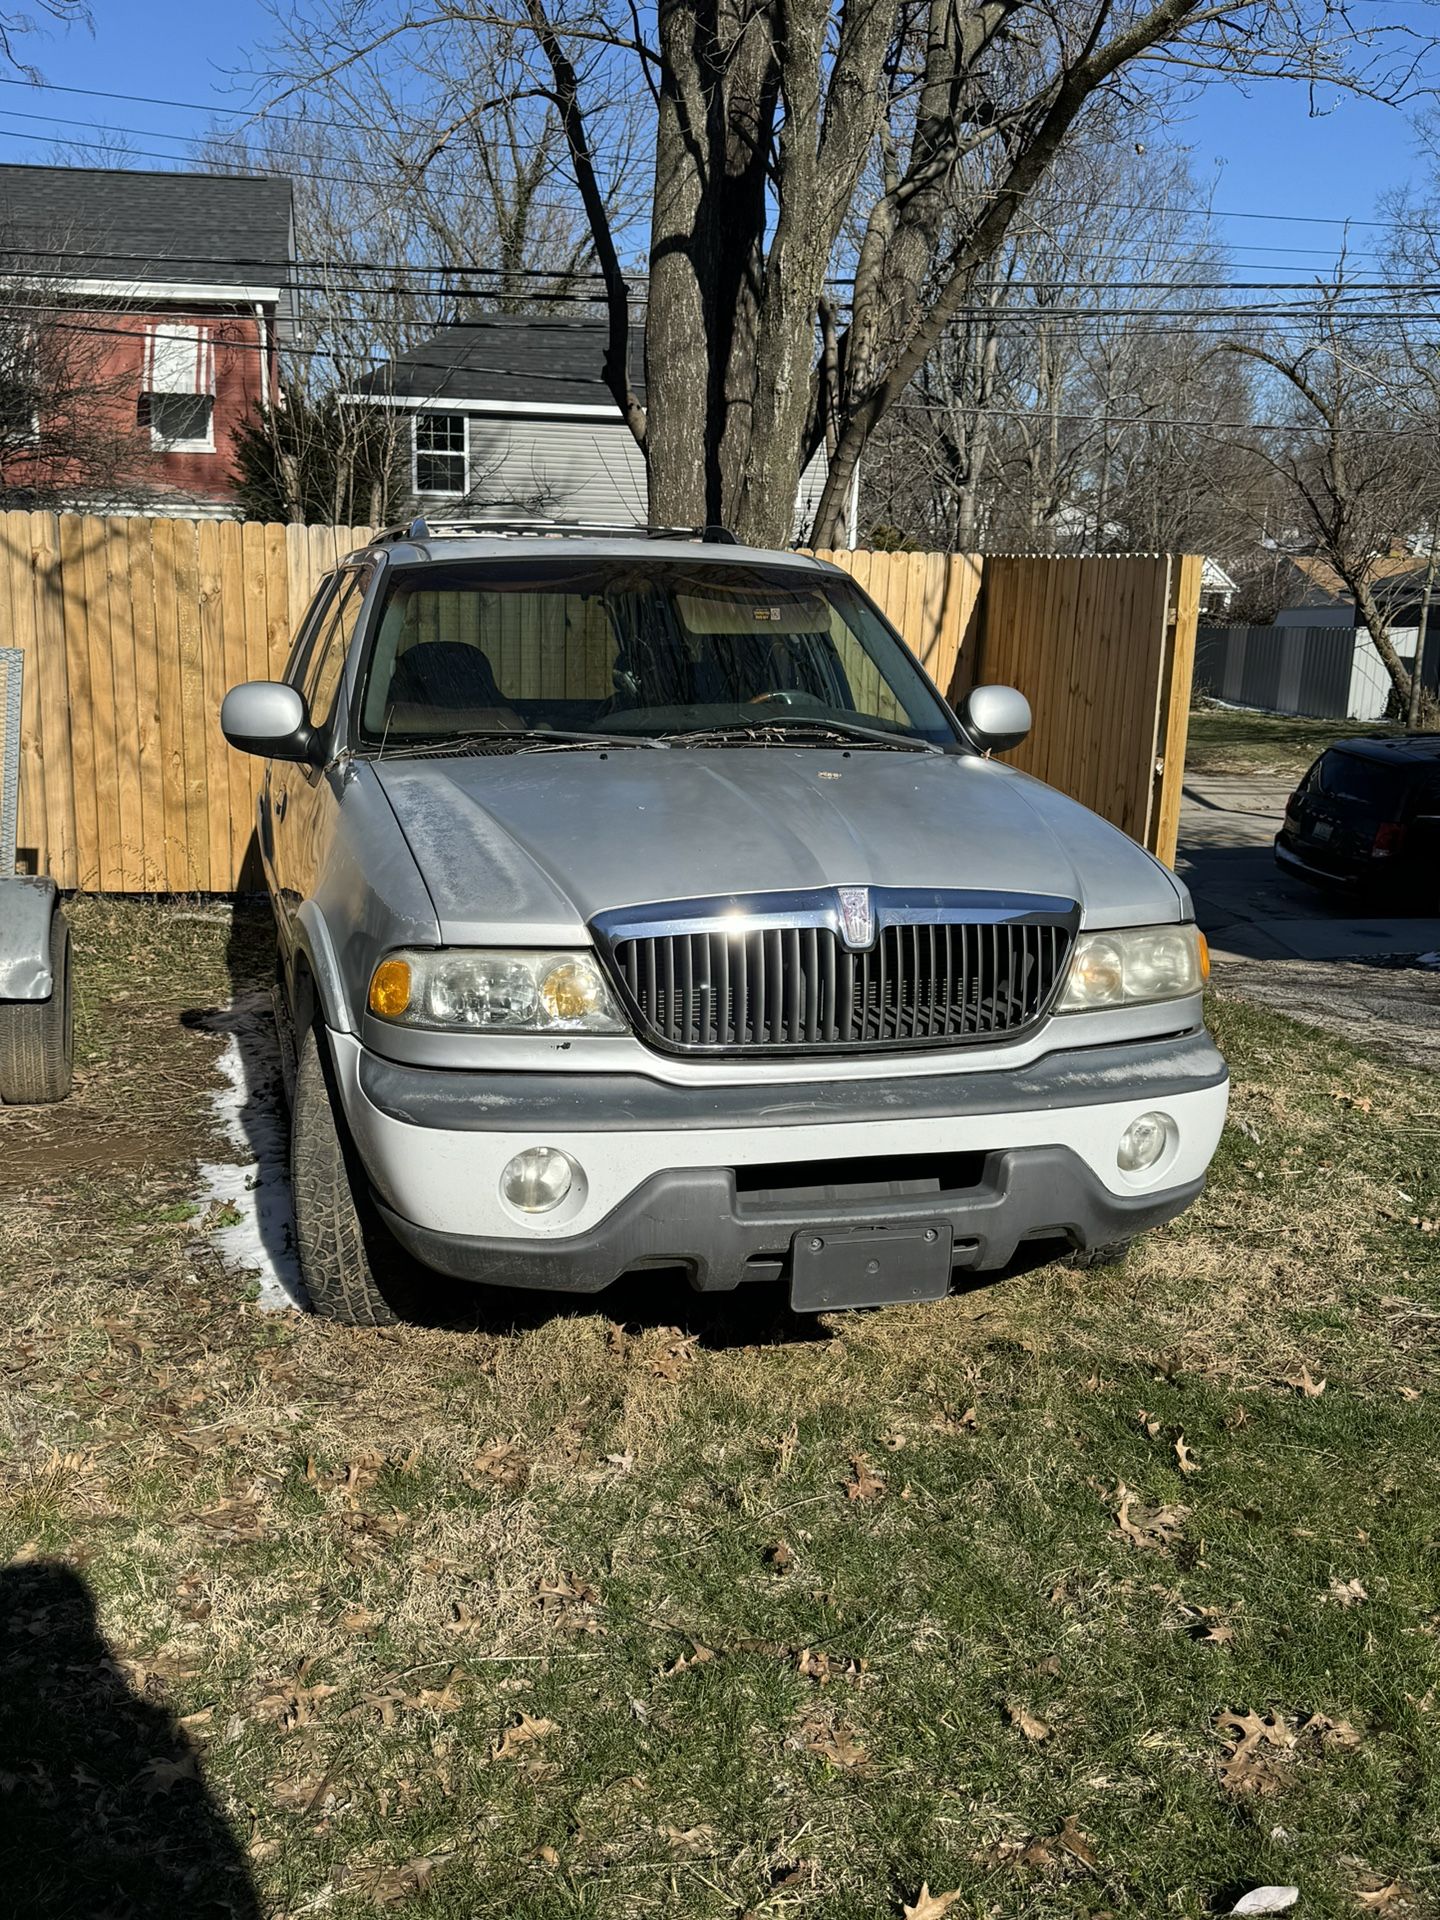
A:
(857, 918)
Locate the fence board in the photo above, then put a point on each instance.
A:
(133, 630)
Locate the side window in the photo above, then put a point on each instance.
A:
(332, 645)
(305, 632)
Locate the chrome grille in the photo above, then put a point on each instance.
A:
(959, 976)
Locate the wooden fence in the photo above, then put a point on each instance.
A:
(134, 628)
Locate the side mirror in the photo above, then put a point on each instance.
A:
(996, 718)
(268, 718)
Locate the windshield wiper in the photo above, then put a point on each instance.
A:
(515, 740)
(739, 731)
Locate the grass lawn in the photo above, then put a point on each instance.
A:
(1079, 1595)
(1279, 745)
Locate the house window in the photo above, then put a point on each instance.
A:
(177, 388)
(19, 415)
(182, 422)
(440, 449)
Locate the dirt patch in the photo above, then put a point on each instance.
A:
(1389, 1007)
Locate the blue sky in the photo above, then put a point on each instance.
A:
(1264, 151)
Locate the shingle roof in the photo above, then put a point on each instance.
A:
(533, 358)
(1321, 585)
(106, 223)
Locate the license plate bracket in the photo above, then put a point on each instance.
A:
(837, 1267)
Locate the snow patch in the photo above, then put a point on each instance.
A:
(250, 1111)
(1429, 960)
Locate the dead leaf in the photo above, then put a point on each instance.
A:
(1149, 1425)
(521, 1732)
(1187, 1461)
(778, 1556)
(1249, 1766)
(163, 1776)
(700, 1657)
(502, 1464)
(1338, 1735)
(866, 1482)
(360, 1621)
(836, 1744)
(1157, 1528)
(692, 1839)
(676, 1354)
(1076, 1843)
(930, 1906)
(1030, 1724)
(1305, 1383)
(1267, 1900)
(387, 1886)
(1347, 1593)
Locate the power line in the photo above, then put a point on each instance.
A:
(352, 126)
(932, 407)
(255, 168)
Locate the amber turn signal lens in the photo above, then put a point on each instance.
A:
(390, 989)
(1204, 946)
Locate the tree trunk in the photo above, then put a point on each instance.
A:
(1378, 627)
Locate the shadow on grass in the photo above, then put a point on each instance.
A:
(103, 1806)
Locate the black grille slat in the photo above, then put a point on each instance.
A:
(799, 988)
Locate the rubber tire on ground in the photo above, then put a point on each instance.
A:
(1112, 1255)
(37, 1037)
(352, 1268)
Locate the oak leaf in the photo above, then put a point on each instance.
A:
(521, 1732)
(866, 1482)
(930, 1906)
(1030, 1724)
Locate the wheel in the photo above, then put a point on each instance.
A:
(37, 1037)
(1085, 1258)
(352, 1268)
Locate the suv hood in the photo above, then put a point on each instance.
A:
(525, 849)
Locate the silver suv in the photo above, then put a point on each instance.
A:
(641, 903)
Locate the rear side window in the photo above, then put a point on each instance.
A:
(1371, 784)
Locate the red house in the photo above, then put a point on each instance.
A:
(143, 312)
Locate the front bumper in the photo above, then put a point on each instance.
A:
(669, 1173)
(697, 1220)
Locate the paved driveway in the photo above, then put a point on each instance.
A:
(1295, 947)
(1251, 910)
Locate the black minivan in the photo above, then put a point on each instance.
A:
(1367, 816)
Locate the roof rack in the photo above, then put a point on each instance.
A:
(421, 529)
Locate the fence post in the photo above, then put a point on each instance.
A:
(1182, 618)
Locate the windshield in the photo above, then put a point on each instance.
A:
(626, 649)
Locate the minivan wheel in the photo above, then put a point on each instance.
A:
(1112, 1255)
(352, 1268)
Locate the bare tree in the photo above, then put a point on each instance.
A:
(791, 141)
(15, 27)
(1357, 449)
(67, 416)
(1067, 406)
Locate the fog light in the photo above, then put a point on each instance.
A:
(1143, 1142)
(537, 1179)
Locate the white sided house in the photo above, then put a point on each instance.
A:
(510, 417)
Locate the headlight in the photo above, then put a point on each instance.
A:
(495, 990)
(1133, 965)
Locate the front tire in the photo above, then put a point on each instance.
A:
(1085, 1259)
(352, 1268)
(37, 1037)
